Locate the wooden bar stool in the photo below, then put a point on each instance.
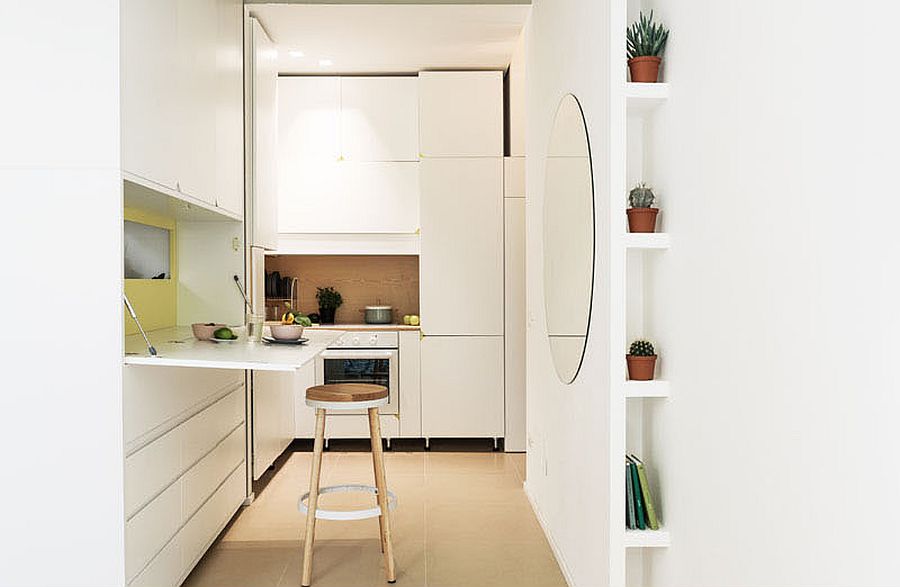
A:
(337, 397)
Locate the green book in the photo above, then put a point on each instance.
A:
(629, 497)
(638, 501)
(652, 521)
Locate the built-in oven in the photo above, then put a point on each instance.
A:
(364, 357)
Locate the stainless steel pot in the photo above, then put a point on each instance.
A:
(379, 315)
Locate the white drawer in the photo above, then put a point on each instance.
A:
(151, 528)
(150, 469)
(203, 479)
(208, 428)
(165, 570)
(210, 519)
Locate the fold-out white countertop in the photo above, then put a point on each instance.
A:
(176, 347)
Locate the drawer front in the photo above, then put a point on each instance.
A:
(165, 570)
(203, 479)
(151, 469)
(151, 528)
(210, 519)
(205, 430)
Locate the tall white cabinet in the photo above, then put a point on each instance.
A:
(462, 253)
(182, 99)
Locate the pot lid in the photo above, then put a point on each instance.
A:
(378, 308)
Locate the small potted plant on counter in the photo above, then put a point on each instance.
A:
(641, 360)
(642, 214)
(646, 41)
(329, 301)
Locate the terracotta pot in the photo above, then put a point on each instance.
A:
(644, 69)
(642, 219)
(640, 368)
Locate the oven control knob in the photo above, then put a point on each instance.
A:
(373, 340)
(356, 341)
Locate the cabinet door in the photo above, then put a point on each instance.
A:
(229, 111)
(308, 120)
(379, 118)
(462, 386)
(461, 114)
(263, 138)
(193, 145)
(461, 269)
(514, 336)
(149, 93)
(273, 417)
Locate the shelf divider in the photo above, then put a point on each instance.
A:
(647, 240)
(647, 538)
(654, 388)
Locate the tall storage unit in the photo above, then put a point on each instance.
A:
(462, 249)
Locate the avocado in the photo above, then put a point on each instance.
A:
(224, 334)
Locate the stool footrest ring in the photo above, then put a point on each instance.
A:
(346, 515)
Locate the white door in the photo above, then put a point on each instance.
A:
(149, 89)
(461, 114)
(379, 119)
(462, 386)
(273, 417)
(229, 110)
(461, 268)
(194, 142)
(262, 138)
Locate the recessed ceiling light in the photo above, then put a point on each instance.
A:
(296, 53)
(325, 62)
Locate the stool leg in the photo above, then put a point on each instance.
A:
(313, 497)
(381, 485)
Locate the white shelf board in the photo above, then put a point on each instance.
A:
(647, 538)
(647, 240)
(643, 98)
(655, 388)
(347, 244)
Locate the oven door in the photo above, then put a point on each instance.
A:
(373, 366)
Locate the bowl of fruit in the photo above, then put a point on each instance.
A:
(291, 327)
(205, 331)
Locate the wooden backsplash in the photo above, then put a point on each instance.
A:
(362, 280)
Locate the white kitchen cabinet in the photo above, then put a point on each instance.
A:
(229, 111)
(182, 106)
(150, 95)
(308, 120)
(461, 114)
(462, 386)
(262, 137)
(461, 269)
(379, 119)
(514, 318)
(348, 197)
(273, 417)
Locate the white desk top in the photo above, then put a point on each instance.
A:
(176, 347)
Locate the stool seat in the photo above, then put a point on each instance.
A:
(346, 392)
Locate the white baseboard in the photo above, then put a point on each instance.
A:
(557, 553)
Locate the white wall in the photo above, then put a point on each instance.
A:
(568, 425)
(62, 489)
(776, 309)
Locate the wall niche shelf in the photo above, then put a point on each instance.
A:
(655, 388)
(644, 98)
(647, 240)
(647, 538)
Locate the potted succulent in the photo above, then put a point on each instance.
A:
(641, 360)
(329, 301)
(646, 41)
(642, 214)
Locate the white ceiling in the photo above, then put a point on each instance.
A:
(391, 38)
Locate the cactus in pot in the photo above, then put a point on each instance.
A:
(641, 359)
(642, 214)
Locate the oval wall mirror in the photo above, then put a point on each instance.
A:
(568, 238)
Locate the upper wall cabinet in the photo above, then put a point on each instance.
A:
(183, 99)
(309, 120)
(379, 119)
(461, 114)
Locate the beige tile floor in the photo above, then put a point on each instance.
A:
(462, 519)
